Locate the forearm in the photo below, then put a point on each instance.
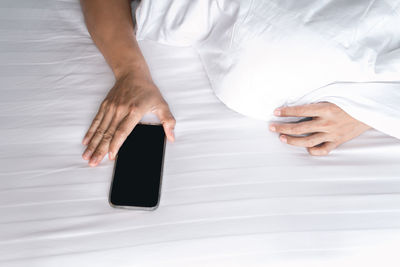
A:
(111, 26)
(134, 93)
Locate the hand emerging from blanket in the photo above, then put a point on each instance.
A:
(328, 128)
(124, 106)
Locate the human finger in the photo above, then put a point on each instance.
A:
(98, 135)
(306, 141)
(167, 120)
(308, 110)
(103, 146)
(123, 130)
(92, 129)
(297, 128)
(323, 149)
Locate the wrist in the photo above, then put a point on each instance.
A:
(137, 70)
(127, 59)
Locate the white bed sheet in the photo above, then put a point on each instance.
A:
(232, 194)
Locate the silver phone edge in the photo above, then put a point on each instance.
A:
(159, 190)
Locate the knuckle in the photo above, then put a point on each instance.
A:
(91, 147)
(168, 121)
(97, 154)
(133, 110)
(89, 133)
(331, 110)
(107, 137)
(100, 150)
(112, 106)
(104, 104)
(328, 112)
(119, 114)
(171, 120)
(96, 120)
(122, 108)
(133, 106)
(99, 131)
(119, 133)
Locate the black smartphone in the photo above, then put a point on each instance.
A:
(136, 182)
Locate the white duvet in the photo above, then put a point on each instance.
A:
(262, 54)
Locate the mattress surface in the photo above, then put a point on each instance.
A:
(232, 194)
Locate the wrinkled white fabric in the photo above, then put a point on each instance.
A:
(232, 193)
(261, 54)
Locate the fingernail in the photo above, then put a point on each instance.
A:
(283, 138)
(85, 141)
(277, 112)
(87, 154)
(272, 128)
(111, 155)
(170, 134)
(93, 161)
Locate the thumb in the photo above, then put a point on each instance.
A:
(167, 120)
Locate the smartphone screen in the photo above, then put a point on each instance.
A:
(138, 169)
